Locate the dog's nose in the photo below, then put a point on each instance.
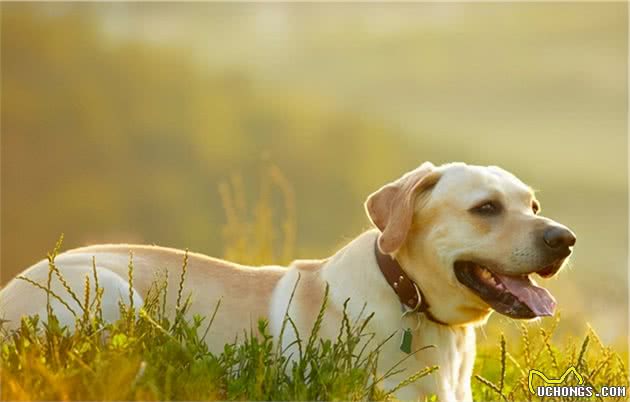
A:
(557, 236)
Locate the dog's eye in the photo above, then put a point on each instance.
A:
(487, 208)
(535, 207)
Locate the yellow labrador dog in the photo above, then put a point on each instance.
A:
(452, 243)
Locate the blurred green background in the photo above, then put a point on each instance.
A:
(120, 120)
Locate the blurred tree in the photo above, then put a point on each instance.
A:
(128, 141)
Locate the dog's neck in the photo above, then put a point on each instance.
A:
(445, 299)
(456, 307)
(406, 289)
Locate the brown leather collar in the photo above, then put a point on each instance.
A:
(404, 287)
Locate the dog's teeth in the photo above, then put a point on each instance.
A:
(488, 278)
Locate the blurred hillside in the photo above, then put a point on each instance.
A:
(119, 121)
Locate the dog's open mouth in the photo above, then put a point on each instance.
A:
(513, 296)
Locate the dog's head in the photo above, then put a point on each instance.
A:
(472, 238)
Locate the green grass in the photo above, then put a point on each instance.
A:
(502, 370)
(146, 355)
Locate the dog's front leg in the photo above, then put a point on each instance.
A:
(423, 388)
(437, 383)
(452, 349)
(468, 353)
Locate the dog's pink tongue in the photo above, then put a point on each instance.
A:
(538, 299)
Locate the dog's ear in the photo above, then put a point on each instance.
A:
(391, 207)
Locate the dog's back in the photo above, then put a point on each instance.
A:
(240, 288)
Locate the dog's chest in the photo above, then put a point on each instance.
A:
(452, 349)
